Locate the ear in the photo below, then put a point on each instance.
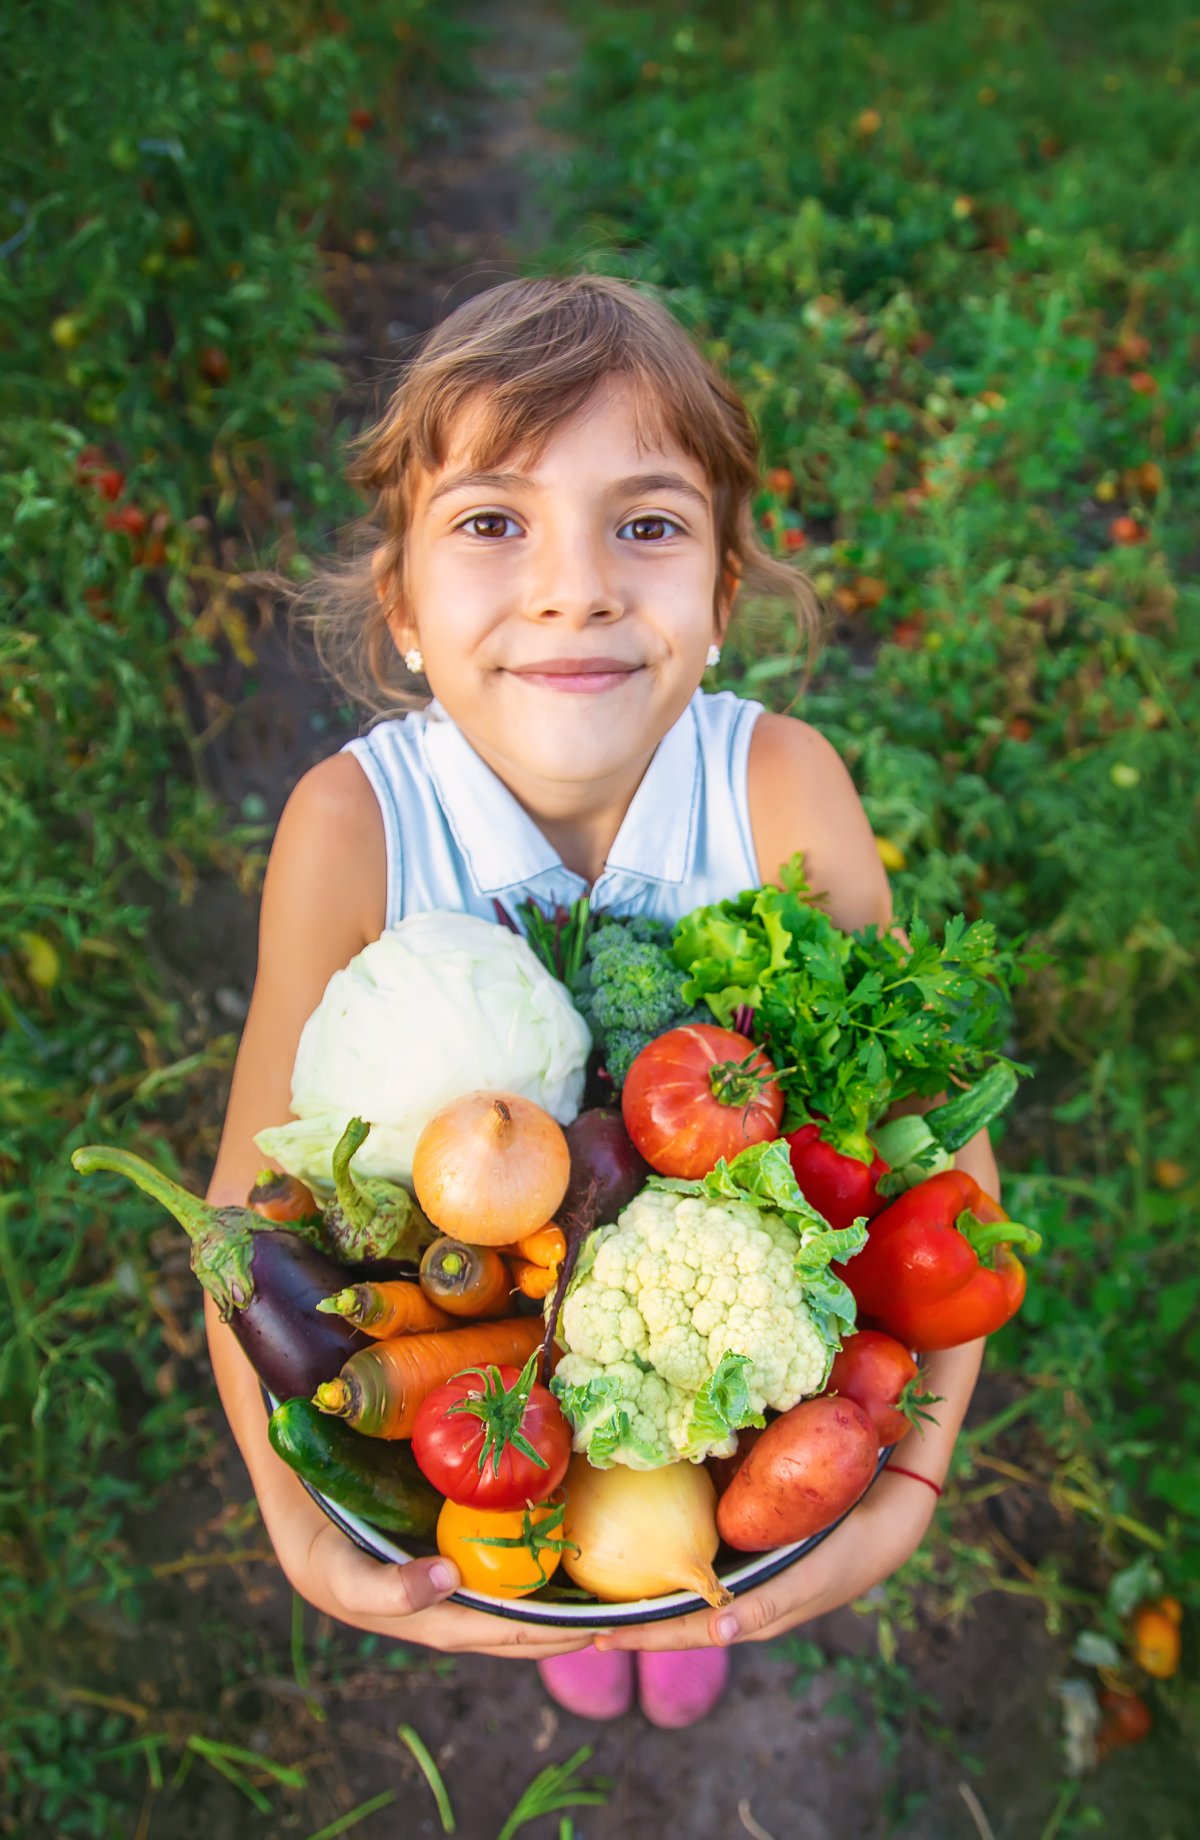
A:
(387, 589)
(731, 581)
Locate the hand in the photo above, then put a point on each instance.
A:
(871, 1543)
(406, 1602)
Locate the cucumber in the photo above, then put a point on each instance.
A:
(376, 1478)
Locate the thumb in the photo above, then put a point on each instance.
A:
(365, 1587)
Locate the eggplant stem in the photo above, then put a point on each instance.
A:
(194, 1216)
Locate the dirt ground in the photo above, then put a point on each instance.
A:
(777, 1761)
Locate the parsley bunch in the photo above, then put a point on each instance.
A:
(856, 1020)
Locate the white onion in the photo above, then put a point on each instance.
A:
(642, 1532)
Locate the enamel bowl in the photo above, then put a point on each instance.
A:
(737, 1571)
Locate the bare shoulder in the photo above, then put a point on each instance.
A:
(802, 797)
(329, 850)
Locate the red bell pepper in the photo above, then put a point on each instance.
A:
(840, 1187)
(938, 1268)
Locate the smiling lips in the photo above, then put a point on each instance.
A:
(578, 676)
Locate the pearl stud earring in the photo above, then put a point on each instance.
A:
(714, 657)
(414, 660)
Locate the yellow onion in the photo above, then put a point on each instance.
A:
(642, 1532)
(490, 1168)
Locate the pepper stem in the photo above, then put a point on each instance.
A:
(194, 1216)
(984, 1237)
(351, 1200)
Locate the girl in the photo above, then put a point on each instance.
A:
(561, 522)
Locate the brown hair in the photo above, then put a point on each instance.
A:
(533, 350)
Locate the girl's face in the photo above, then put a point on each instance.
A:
(564, 605)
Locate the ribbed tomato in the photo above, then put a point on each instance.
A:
(697, 1094)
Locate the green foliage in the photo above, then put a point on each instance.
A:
(166, 397)
(948, 253)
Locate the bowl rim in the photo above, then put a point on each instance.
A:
(756, 1570)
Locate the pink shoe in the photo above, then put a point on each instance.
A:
(680, 1686)
(592, 1685)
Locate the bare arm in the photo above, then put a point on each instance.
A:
(322, 902)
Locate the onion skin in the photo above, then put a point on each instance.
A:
(642, 1532)
(490, 1168)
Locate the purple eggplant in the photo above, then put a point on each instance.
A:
(266, 1281)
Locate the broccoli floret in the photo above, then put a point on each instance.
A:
(630, 990)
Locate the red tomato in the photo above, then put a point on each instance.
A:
(131, 520)
(878, 1373)
(492, 1438)
(697, 1094)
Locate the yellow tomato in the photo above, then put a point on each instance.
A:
(508, 1553)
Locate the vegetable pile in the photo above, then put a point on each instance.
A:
(611, 1340)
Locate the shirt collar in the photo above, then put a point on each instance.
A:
(503, 847)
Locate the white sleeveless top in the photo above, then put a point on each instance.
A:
(457, 838)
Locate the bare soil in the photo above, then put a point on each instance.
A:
(796, 1765)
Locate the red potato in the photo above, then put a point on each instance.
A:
(806, 1469)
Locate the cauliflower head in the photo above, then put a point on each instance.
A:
(686, 1318)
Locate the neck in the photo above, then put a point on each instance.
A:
(581, 819)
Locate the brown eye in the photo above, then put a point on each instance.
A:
(650, 529)
(488, 524)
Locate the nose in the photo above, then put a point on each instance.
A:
(575, 579)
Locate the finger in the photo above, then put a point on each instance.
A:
(753, 1618)
(674, 1633)
(365, 1587)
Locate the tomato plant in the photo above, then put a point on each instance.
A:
(493, 1438)
(697, 1094)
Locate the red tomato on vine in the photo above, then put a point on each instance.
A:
(493, 1438)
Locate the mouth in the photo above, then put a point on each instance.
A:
(578, 676)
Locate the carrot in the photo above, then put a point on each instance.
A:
(395, 1307)
(534, 1280)
(466, 1280)
(281, 1197)
(547, 1246)
(380, 1388)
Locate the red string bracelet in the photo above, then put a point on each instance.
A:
(894, 1469)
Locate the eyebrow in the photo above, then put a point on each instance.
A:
(633, 486)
